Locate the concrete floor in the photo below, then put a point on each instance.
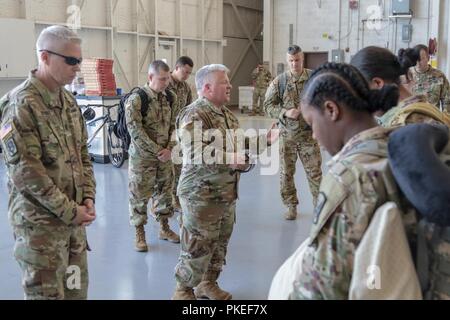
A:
(260, 243)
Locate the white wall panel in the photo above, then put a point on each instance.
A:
(126, 54)
(11, 9)
(146, 23)
(131, 20)
(316, 26)
(213, 13)
(47, 10)
(168, 18)
(96, 13)
(147, 55)
(192, 18)
(125, 15)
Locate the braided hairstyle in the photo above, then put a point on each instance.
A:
(344, 84)
(377, 62)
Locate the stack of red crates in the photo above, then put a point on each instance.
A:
(98, 77)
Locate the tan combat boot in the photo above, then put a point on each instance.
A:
(183, 293)
(141, 244)
(166, 234)
(291, 214)
(210, 290)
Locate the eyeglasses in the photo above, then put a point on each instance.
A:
(71, 61)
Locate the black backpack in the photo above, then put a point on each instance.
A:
(121, 129)
(420, 163)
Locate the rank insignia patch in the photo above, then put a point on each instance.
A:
(11, 147)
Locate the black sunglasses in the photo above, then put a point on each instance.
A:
(71, 61)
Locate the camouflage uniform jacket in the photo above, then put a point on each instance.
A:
(434, 85)
(49, 168)
(261, 78)
(204, 130)
(183, 92)
(359, 181)
(151, 134)
(276, 106)
(392, 117)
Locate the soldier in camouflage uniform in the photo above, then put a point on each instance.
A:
(261, 79)
(296, 139)
(381, 67)
(423, 150)
(429, 81)
(50, 177)
(178, 84)
(339, 105)
(208, 187)
(150, 168)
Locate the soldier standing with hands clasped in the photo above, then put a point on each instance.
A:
(296, 140)
(50, 177)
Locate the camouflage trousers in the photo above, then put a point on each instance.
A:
(259, 94)
(307, 149)
(205, 233)
(149, 179)
(433, 260)
(176, 171)
(53, 260)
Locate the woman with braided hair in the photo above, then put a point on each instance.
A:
(339, 105)
(381, 67)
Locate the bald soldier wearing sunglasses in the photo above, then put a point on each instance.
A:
(50, 177)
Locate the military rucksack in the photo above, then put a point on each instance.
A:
(422, 108)
(419, 155)
(121, 128)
